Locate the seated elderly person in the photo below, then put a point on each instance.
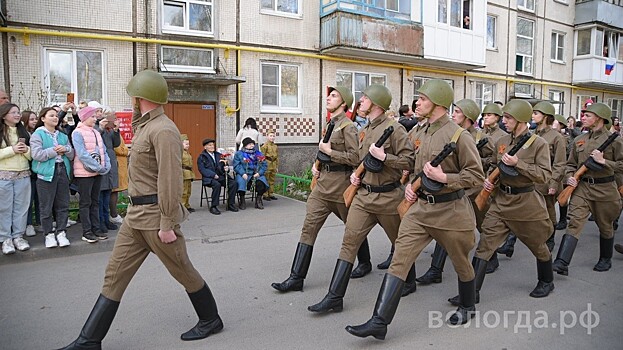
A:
(250, 166)
(214, 173)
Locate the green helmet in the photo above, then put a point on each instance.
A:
(493, 108)
(521, 110)
(438, 91)
(379, 95)
(560, 119)
(469, 108)
(149, 85)
(601, 110)
(545, 107)
(345, 93)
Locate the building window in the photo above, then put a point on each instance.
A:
(525, 42)
(188, 17)
(491, 31)
(610, 44)
(557, 96)
(280, 88)
(617, 108)
(177, 59)
(290, 7)
(358, 81)
(485, 94)
(419, 81)
(77, 71)
(583, 42)
(460, 13)
(527, 5)
(558, 47)
(523, 90)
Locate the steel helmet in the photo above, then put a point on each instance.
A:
(469, 108)
(601, 110)
(521, 110)
(493, 108)
(545, 107)
(560, 119)
(345, 93)
(379, 95)
(149, 85)
(438, 91)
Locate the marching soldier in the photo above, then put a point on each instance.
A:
(440, 209)
(152, 223)
(516, 205)
(596, 192)
(378, 196)
(327, 196)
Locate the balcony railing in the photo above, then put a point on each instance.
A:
(613, 2)
(368, 8)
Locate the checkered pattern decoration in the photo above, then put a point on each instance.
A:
(291, 129)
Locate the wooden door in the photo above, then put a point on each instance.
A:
(198, 121)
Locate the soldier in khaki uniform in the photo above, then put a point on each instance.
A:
(333, 179)
(188, 174)
(152, 223)
(379, 193)
(271, 152)
(596, 192)
(516, 206)
(445, 215)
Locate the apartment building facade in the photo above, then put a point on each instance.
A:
(227, 60)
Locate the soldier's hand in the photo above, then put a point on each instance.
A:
(598, 157)
(315, 172)
(572, 182)
(355, 180)
(377, 152)
(509, 160)
(167, 237)
(409, 194)
(435, 173)
(487, 185)
(325, 148)
(551, 191)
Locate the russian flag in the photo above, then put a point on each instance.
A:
(610, 62)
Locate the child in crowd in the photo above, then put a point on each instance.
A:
(29, 119)
(270, 151)
(188, 174)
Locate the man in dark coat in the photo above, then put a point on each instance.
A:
(214, 173)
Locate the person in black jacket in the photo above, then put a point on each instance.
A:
(214, 173)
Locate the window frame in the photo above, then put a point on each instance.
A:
(279, 108)
(560, 44)
(370, 75)
(618, 110)
(525, 7)
(495, 32)
(521, 94)
(275, 12)
(183, 68)
(523, 72)
(480, 100)
(448, 17)
(167, 29)
(558, 107)
(580, 99)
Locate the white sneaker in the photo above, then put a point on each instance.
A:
(53, 225)
(21, 244)
(30, 231)
(70, 222)
(117, 219)
(50, 241)
(7, 247)
(62, 239)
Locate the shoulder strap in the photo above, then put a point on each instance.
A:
(478, 136)
(529, 142)
(344, 124)
(456, 135)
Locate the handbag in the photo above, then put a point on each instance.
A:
(95, 155)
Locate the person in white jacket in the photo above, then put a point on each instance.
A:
(249, 130)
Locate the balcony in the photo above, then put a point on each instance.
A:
(591, 72)
(604, 11)
(358, 30)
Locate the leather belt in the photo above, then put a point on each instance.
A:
(329, 168)
(143, 200)
(516, 190)
(381, 189)
(599, 180)
(187, 167)
(441, 198)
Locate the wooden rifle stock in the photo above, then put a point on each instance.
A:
(404, 179)
(317, 163)
(351, 191)
(315, 178)
(483, 196)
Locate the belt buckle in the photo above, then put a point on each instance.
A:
(508, 189)
(130, 200)
(368, 187)
(430, 199)
(326, 167)
(590, 180)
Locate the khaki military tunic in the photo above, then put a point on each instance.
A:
(493, 133)
(327, 197)
(473, 192)
(558, 157)
(189, 175)
(270, 151)
(602, 200)
(525, 213)
(450, 223)
(155, 167)
(371, 208)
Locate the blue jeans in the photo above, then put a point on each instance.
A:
(14, 205)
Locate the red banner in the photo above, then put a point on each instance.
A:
(125, 126)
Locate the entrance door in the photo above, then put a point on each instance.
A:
(198, 121)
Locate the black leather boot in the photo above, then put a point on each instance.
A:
(546, 279)
(96, 326)
(480, 268)
(565, 253)
(550, 243)
(363, 257)
(508, 248)
(619, 248)
(467, 303)
(384, 310)
(434, 273)
(410, 285)
(209, 320)
(562, 222)
(333, 301)
(298, 272)
(385, 264)
(605, 254)
(241, 202)
(259, 204)
(493, 263)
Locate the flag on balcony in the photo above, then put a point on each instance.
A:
(610, 62)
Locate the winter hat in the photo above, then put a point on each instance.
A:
(246, 141)
(86, 113)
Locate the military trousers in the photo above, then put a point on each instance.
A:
(480, 214)
(133, 246)
(550, 204)
(318, 210)
(270, 177)
(532, 233)
(186, 193)
(604, 213)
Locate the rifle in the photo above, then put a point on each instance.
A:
(482, 143)
(322, 157)
(589, 163)
(483, 196)
(417, 182)
(351, 191)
